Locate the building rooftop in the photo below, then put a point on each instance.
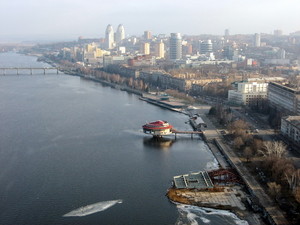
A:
(200, 180)
(295, 120)
(289, 89)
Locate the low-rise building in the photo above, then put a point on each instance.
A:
(248, 93)
(290, 128)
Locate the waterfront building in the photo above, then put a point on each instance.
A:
(257, 42)
(145, 48)
(109, 37)
(175, 46)
(147, 35)
(200, 180)
(158, 128)
(160, 50)
(248, 93)
(120, 34)
(284, 98)
(290, 128)
(206, 47)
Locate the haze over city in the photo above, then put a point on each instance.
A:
(67, 19)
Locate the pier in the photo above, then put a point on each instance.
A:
(17, 70)
(174, 131)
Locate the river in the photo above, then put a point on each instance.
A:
(67, 142)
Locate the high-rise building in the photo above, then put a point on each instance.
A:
(256, 40)
(206, 47)
(145, 48)
(147, 35)
(278, 33)
(120, 34)
(175, 46)
(109, 37)
(228, 52)
(226, 32)
(160, 50)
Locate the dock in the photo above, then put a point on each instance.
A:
(174, 131)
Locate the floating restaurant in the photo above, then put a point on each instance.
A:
(158, 128)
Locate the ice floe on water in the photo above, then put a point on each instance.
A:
(212, 165)
(93, 208)
(193, 215)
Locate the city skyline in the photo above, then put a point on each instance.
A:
(66, 19)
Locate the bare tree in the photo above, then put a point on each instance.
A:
(274, 188)
(248, 153)
(279, 168)
(237, 127)
(238, 142)
(297, 194)
(293, 179)
(273, 149)
(257, 144)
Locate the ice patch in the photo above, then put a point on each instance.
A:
(93, 208)
(212, 165)
(205, 220)
(194, 215)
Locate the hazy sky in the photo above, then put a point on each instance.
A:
(68, 19)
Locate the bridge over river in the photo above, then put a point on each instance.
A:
(29, 70)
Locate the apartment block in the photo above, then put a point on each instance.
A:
(290, 128)
(247, 93)
(284, 98)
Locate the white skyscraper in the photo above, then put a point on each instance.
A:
(257, 40)
(109, 37)
(120, 34)
(175, 46)
(206, 47)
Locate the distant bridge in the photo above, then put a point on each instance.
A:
(29, 69)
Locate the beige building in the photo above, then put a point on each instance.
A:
(145, 48)
(160, 50)
(290, 128)
(92, 54)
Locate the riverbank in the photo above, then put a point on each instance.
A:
(227, 198)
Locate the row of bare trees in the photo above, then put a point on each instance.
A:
(137, 84)
(180, 95)
(285, 176)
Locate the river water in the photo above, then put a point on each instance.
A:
(67, 142)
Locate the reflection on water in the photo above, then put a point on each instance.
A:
(159, 143)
